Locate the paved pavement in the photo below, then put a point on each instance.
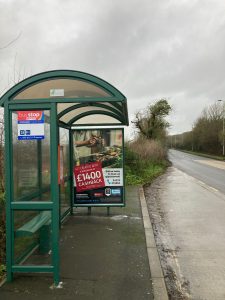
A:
(102, 257)
(188, 217)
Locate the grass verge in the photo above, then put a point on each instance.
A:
(144, 161)
(148, 174)
(217, 157)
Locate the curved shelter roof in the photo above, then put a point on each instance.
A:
(83, 99)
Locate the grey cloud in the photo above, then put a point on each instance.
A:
(147, 49)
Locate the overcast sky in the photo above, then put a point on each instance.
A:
(148, 49)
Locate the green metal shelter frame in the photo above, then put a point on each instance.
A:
(70, 99)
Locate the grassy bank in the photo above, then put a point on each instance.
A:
(144, 161)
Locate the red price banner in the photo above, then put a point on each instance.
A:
(89, 176)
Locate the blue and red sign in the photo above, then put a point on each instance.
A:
(30, 125)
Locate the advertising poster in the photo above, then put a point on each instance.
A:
(98, 166)
(30, 125)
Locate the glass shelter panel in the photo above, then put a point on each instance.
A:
(96, 119)
(68, 88)
(64, 170)
(63, 106)
(31, 159)
(45, 161)
(70, 115)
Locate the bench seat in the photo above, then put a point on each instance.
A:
(32, 226)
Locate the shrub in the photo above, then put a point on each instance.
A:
(144, 160)
(148, 150)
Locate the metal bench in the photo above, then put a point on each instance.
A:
(41, 223)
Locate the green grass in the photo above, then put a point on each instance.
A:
(2, 271)
(147, 175)
(139, 171)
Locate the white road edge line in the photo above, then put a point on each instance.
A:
(158, 281)
(203, 184)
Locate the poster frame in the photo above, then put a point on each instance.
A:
(123, 202)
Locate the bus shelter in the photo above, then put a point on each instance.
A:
(63, 149)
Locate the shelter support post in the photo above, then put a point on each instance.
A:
(108, 211)
(9, 223)
(55, 192)
(71, 173)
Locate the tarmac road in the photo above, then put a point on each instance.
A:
(209, 171)
(188, 218)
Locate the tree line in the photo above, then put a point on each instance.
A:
(206, 135)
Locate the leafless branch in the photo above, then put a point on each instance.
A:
(12, 41)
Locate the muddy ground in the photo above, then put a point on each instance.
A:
(177, 286)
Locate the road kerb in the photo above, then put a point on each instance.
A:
(3, 281)
(158, 282)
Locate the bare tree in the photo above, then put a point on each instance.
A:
(11, 42)
(17, 75)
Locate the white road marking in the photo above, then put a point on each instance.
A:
(178, 282)
(203, 184)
